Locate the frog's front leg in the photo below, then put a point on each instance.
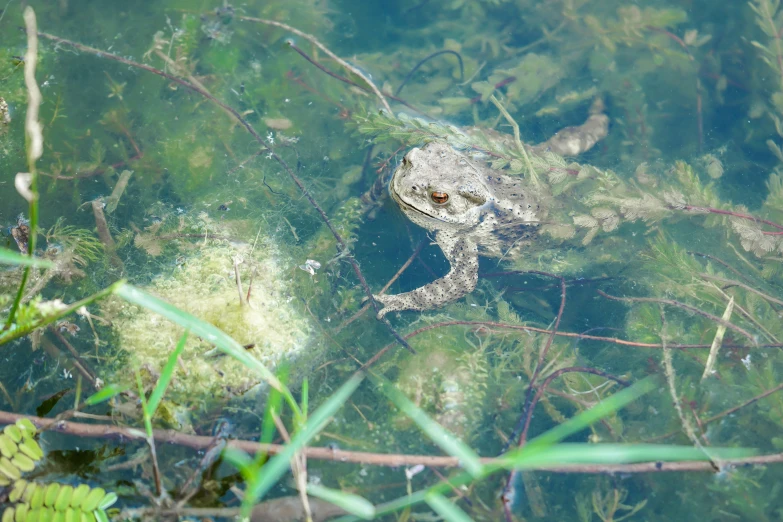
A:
(462, 255)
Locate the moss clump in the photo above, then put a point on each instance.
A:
(267, 323)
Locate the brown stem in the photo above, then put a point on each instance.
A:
(740, 406)
(711, 210)
(684, 306)
(721, 262)
(505, 326)
(155, 467)
(81, 366)
(730, 282)
(200, 442)
(722, 414)
(104, 234)
(530, 401)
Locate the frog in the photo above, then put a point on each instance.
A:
(475, 210)
(472, 209)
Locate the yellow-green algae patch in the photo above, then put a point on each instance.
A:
(268, 323)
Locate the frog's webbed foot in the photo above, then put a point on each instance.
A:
(394, 303)
(460, 281)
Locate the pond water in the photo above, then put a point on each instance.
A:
(233, 160)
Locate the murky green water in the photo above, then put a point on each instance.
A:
(693, 93)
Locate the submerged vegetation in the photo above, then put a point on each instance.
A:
(194, 222)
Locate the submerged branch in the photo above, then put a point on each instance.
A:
(200, 442)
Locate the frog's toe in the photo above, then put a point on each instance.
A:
(390, 303)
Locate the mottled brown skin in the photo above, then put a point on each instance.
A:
(473, 210)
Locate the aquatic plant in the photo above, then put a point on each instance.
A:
(34, 500)
(202, 188)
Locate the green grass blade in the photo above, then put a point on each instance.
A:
(105, 393)
(165, 376)
(542, 450)
(305, 396)
(584, 419)
(145, 412)
(240, 460)
(15, 333)
(207, 332)
(440, 436)
(9, 257)
(354, 504)
(278, 465)
(274, 405)
(565, 454)
(446, 508)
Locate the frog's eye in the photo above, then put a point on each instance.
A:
(439, 197)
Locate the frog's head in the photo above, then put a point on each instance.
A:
(437, 187)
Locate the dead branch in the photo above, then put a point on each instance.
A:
(200, 442)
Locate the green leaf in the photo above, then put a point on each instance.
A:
(582, 453)
(9, 257)
(440, 436)
(165, 376)
(446, 509)
(274, 405)
(105, 393)
(277, 466)
(305, 397)
(354, 504)
(594, 414)
(240, 460)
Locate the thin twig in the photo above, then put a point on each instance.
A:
(326, 51)
(740, 406)
(298, 467)
(731, 282)
(430, 57)
(533, 329)
(155, 466)
(684, 306)
(238, 279)
(104, 234)
(710, 210)
(722, 262)
(79, 363)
